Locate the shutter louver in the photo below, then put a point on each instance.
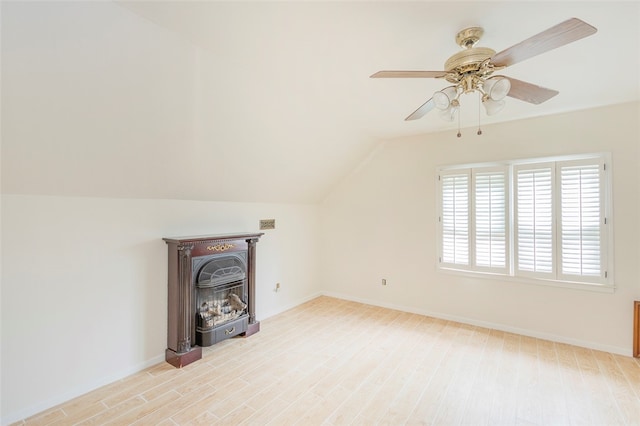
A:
(455, 219)
(490, 219)
(534, 220)
(581, 220)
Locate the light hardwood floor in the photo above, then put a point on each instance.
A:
(335, 362)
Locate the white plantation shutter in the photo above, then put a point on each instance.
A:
(491, 218)
(454, 218)
(555, 228)
(534, 220)
(581, 220)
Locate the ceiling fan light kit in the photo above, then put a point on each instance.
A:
(443, 99)
(493, 107)
(471, 70)
(497, 88)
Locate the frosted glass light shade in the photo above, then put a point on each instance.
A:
(497, 88)
(493, 107)
(442, 99)
(449, 114)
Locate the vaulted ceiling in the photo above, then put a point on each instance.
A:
(263, 101)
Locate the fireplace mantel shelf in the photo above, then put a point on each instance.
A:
(202, 239)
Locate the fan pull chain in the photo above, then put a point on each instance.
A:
(458, 112)
(479, 111)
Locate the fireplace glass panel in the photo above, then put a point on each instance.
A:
(222, 270)
(221, 304)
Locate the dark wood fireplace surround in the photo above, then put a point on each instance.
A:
(181, 334)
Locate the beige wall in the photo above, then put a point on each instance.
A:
(381, 223)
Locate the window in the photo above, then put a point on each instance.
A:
(534, 219)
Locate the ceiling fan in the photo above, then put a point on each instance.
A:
(473, 68)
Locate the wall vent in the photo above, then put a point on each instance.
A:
(268, 224)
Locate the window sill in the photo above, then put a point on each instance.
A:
(598, 288)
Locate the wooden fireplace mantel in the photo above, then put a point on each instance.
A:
(181, 348)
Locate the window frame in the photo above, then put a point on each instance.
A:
(512, 272)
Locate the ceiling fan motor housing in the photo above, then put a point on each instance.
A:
(471, 60)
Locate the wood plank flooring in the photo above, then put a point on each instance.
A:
(336, 362)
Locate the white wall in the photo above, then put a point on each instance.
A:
(381, 223)
(84, 285)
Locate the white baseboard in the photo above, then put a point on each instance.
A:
(289, 306)
(486, 324)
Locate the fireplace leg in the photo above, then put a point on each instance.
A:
(252, 328)
(180, 360)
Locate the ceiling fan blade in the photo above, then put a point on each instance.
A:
(420, 112)
(564, 33)
(409, 74)
(530, 92)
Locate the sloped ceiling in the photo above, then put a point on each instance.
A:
(262, 101)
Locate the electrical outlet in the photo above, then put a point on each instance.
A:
(384, 281)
